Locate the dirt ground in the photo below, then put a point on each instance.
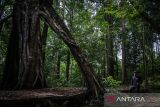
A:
(56, 93)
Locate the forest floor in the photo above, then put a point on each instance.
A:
(62, 94)
(47, 97)
(54, 93)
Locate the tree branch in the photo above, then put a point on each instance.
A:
(58, 26)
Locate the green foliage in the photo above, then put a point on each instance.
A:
(75, 80)
(62, 82)
(86, 21)
(110, 82)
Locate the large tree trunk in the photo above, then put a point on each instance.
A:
(109, 47)
(116, 60)
(24, 59)
(110, 58)
(57, 24)
(44, 40)
(144, 45)
(124, 72)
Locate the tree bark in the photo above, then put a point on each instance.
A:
(24, 58)
(116, 60)
(109, 47)
(144, 57)
(44, 40)
(68, 65)
(124, 72)
(57, 24)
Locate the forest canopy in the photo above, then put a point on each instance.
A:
(78, 43)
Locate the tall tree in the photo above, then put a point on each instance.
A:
(56, 23)
(24, 58)
(144, 55)
(109, 46)
(109, 42)
(124, 72)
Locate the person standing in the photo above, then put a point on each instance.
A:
(136, 81)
